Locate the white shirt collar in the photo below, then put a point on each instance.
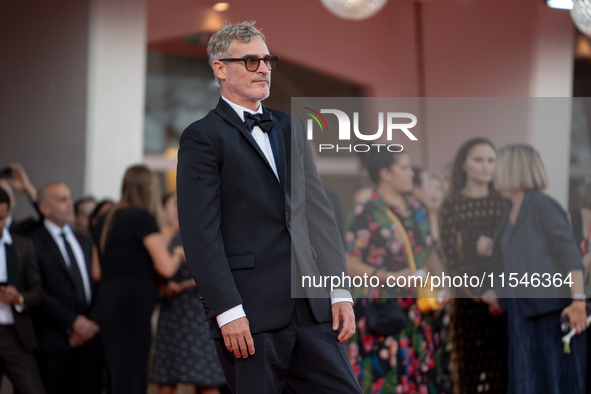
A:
(55, 230)
(9, 221)
(6, 238)
(240, 109)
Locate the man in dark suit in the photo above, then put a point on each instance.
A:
(20, 291)
(69, 354)
(251, 202)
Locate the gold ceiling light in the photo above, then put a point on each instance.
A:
(221, 7)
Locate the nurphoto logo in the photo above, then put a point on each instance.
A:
(395, 121)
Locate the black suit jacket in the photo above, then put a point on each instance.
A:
(542, 242)
(23, 273)
(61, 306)
(241, 226)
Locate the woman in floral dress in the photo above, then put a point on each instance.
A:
(405, 362)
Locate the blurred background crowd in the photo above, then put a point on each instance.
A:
(90, 275)
(104, 300)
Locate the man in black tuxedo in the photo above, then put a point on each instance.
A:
(249, 201)
(69, 354)
(20, 291)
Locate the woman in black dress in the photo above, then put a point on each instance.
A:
(129, 253)
(470, 215)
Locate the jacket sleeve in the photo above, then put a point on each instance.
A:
(198, 193)
(33, 291)
(59, 314)
(323, 232)
(559, 233)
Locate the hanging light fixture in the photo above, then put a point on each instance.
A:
(560, 4)
(354, 9)
(581, 15)
(220, 7)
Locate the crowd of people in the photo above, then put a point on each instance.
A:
(76, 302)
(494, 219)
(79, 284)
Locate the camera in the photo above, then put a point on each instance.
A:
(5, 173)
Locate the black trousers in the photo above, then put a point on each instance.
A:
(77, 371)
(305, 354)
(18, 363)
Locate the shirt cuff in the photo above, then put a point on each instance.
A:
(20, 308)
(230, 315)
(340, 295)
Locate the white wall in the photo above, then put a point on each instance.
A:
(116, 80)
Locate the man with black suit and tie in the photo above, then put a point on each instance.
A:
(20, 291)
(249, 201)
(69, 354)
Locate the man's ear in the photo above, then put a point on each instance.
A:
(220, 70)
(43, 209)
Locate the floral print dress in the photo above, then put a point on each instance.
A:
(407, 362)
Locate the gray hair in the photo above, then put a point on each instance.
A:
(43, 192)
(219, 43)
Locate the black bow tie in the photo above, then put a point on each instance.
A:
(264, 121)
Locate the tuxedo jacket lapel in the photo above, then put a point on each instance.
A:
(57, 254)
(230, 116)
(281, 161)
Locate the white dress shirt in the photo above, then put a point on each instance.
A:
(262, 140)
(56, 234)
(6, 316)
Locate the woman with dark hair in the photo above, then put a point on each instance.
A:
(389, 237)
(469, 218)
(129, 253)
(101, 208)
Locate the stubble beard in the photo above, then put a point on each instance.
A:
(246, 91)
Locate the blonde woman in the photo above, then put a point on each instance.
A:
(129, 254)
(535, 238)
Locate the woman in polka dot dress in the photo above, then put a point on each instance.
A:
(183, 352)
